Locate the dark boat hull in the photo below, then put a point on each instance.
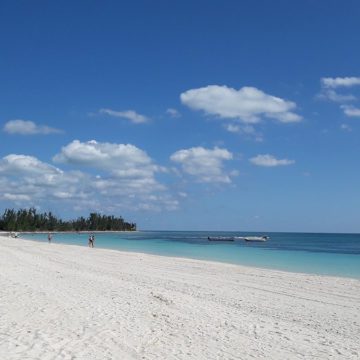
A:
(221, 239)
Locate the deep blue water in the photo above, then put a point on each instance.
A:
(328, 254)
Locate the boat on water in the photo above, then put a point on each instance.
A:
(233, 238)
(221, 238)
(256, 238)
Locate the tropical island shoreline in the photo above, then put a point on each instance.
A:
(19, 233)
(64, 301)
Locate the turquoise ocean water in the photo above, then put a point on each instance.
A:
(326, 254)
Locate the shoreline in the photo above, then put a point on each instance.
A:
(71, 301)
(181, 258)
(220, 261)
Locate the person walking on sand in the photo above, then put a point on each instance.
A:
(49, 237)
(91, 240)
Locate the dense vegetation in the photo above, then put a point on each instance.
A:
(31, 220)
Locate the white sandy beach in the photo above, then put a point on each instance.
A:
(70, 302)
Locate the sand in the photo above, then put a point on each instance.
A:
(69, 302)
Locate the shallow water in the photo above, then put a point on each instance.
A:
(327, 254)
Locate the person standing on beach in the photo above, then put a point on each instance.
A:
(91, 240)
(49, 237)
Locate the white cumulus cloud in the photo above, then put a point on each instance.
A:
(247, 104)
(206, 165)
(131, 170)
(332, 95)
(123, 186)
(330, 86)
(26, 178)
(26, 127)
(16, 197)
(124, 160)
(340, 82)
(351, 111)
(131, 115)
(23, 164)
(269, 161)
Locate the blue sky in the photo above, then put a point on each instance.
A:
(218, 115)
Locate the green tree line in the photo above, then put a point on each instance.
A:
(31, 220)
